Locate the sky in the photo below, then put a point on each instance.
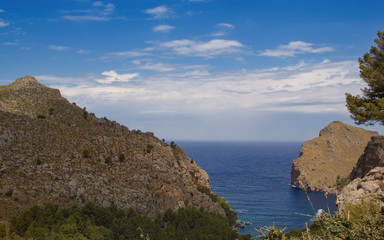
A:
(229, 70)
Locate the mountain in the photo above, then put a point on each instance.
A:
(52, 151)
(329, 157)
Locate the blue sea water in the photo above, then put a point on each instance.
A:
(254, 177)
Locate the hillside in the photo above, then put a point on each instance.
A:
(52, 151)
(328, 157)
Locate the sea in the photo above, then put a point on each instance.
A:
(254, 177)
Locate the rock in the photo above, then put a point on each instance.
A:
(334, 153)
(239, 224)
(52, 151)
(369, 187)
(373, 157)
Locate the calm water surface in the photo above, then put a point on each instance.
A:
(254, 177)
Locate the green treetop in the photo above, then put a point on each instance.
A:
(369, 108)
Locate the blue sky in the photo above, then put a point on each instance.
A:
(273, 70)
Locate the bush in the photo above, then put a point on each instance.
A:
(41, 116)
(149, 148)
(86, 153)
(108, 160)
(3, 231)
(121, 157)
(341, 182)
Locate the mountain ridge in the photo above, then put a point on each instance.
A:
(54, 151)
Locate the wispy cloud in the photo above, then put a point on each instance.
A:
(1, 10)
(158, 67)
(112, 76)
(3, 23)
(133, 53)
(98, 12)
(59, 48)
(82, 51)
(294, 48)
(160, 12)
(10, 44)
(315, 88)
(163, 28)
(225, 25)
(206, 49)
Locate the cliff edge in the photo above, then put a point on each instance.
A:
(52, 151)
(331, 155)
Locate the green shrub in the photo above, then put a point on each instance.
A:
(86, 153)
(41, 116)
(149, 148)
(341, 182)
(108, 160)
(121, 157)
(3, 231)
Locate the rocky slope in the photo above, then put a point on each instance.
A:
(373, 157)
(54, 151)
(334, 153)
(369, 187)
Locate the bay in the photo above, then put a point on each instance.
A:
(254, 177)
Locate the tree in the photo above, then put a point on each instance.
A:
(369, 108)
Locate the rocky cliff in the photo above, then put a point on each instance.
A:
(334, 153)
(369, 187)
(54, 151)
(373, 157)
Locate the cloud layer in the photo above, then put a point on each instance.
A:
(294, 48)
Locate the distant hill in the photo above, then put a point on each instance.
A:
(52, 151)
(329, 157)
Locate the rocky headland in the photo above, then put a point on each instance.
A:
(52, 151)
(329, 157)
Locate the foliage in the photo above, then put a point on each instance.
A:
(121, 157)
(360, 221)
(86, 153)
(149, 148)
(271, 233)
(369, 108)
(2, 231)
(41, 116)
(341, 182)
(108, 160)
(173, 144)
(231, 215)
(98, 223)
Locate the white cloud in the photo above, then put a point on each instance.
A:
(1, 10)
(99, 13)
(225, 25)
(293, 48)
(129, 54)
(59, 48)
(316, 88)
(82, 51)
(160, 12)
(3, 23)
(205, 49)
(163, 28)
(10, 44)
(159, 67)
(112, 76)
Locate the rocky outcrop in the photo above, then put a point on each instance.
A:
(373, 157)
(334, 153)
(54, 151)
(369, 187)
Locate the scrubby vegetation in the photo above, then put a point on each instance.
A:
(341, 183)
(95, 222)
(231, 215)
(360, 221)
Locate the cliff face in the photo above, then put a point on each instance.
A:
(54, 151)
(334, 153)
(373, 157)
(369, 187)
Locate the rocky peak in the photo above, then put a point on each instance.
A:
(27, 82)
(331, 155)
